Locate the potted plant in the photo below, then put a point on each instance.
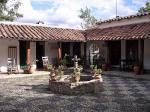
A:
(50, 67)
(30, 68)
(92, 68)
(53, 75)
(60, 71)
(136, 68)
(76, 74)
(104, 67)
(96, 73)
(52, 72)
(64, 61)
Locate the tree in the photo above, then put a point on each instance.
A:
(88, 20)
(9, 10)
(145, 9)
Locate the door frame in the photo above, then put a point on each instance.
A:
(40, 52)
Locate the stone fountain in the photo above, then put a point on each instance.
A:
(86, 84)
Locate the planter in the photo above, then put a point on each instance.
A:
(96, 76)
(52, 76)
(104, 67)
(29, 69)
(136, 69)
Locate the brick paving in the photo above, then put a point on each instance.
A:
(31, 94)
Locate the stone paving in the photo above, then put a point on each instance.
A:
(31, 94)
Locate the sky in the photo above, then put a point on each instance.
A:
(65, 13)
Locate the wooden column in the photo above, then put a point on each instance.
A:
(141, 50)
(28, 52)
(59, 53)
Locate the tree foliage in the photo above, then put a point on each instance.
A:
(88, 20)
(144, 9)
(9, 10)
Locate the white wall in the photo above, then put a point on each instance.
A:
(147, 54)
(4, 44)
(51, 50)
(123, 49)
(125, 22)
(82, 49)
(33, 52)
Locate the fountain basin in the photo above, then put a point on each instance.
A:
(86, 85)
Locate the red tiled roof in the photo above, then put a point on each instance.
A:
(28, 32)
(122, 18)
(133, 31)
(37, 33)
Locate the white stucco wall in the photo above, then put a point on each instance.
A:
(123, 49)
(51, 51)
(33, 52)
(147, 54)
(125, 22)
(47, 49)
(4, 44)
(82, 49)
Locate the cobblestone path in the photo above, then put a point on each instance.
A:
(31, 94)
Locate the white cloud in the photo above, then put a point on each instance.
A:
(139, 2)
(65, 13)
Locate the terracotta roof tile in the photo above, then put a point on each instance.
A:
(122, 18)
(28, 32)
(133, 31)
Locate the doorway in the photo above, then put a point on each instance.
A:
(77, 49)
(132, 50)
(22, 52)
(65, 48)
(40, 52)
(114, 52)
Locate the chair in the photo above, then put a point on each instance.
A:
(45, 62)
(11, 66)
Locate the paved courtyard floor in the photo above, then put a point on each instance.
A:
(31, 94)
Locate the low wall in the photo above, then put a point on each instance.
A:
(83, 87)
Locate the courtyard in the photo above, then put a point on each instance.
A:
(31, 94)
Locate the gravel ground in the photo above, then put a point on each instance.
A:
(31, 94)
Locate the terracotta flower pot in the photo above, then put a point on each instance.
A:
(95, 76)
(31, 69)
(136, 69)
(104, 67)
(52, 76)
